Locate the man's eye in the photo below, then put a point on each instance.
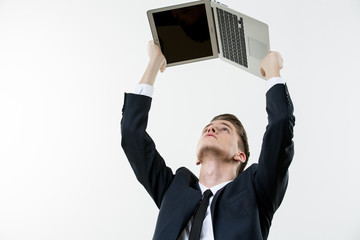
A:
(225, 130)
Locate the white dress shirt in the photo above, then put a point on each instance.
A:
(207, 228)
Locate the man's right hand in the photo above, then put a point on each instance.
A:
(156, 56)
(157, 63)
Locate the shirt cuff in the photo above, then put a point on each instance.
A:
(144, 89)
(273, 81)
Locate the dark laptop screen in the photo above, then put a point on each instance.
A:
(183, 33)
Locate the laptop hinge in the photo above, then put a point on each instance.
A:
(216, 36)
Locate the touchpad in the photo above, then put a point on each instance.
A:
(257, 49)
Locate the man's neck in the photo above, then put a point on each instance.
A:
(213, 172)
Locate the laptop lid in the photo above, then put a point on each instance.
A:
(184, 32)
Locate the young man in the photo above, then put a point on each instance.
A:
(240, 204)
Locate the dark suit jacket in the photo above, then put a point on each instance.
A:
(244, 208)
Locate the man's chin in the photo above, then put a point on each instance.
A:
(208, 150)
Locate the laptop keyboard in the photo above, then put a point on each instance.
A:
(232, 37)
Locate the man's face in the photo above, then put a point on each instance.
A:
(220, 139)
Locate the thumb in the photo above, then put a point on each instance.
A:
(163, 66)
(279, 60)
(262, 72)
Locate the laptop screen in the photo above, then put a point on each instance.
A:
(183, 33)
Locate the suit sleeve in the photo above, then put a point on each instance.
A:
(277, 151)
(147, 164)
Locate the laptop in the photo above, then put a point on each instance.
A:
(205, 29)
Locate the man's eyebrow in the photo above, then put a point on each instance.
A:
(224, 123)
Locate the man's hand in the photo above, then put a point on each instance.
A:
(271, 65)
(157, 62)
(157, 59)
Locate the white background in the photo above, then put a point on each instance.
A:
(65, 65)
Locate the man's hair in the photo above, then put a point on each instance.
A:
(243, 141)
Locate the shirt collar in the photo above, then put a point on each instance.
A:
(213, 189)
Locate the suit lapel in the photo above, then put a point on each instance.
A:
(178, 205)
(192, 199)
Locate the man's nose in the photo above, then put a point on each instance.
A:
(211, 129)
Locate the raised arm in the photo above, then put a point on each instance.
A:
(147, 164)
(157, 62)
(277, 148)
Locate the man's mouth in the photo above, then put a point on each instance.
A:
(210, 135)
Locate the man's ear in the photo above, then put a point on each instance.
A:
(240, 156)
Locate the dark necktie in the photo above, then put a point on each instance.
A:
(199, 216)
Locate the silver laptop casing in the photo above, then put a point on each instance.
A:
(256, 36)
(256, 39)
